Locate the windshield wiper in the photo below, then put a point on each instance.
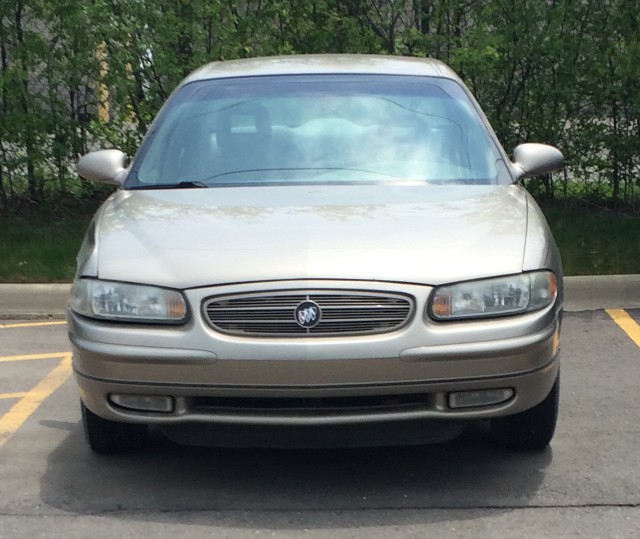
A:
(179, 185)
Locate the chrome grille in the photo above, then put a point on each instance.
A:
(343, 312)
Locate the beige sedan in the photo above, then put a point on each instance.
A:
(318, 250)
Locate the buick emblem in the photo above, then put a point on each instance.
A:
(307, 314)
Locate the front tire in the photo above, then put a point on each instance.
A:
(110, 437)
(531, 430)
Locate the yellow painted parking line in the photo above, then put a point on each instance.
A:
(27, 405)
(33, 324)
(12, 395)
(626, 323)
(29, 357)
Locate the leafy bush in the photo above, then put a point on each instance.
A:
(562, 72)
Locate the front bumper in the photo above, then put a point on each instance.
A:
(401, 376)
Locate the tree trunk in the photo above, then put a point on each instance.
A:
(29, 142)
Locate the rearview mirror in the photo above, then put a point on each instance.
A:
(534, 159)
(103, 166)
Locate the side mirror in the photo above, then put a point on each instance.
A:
(534, 159)
(103, 166)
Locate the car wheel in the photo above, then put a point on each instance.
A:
(532, 429)
(107, 437)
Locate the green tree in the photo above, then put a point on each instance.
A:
(559, 71)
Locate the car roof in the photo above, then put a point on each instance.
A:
(323, 64)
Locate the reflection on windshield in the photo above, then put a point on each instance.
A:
(318, 129)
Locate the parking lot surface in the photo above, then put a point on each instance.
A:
(586, 484)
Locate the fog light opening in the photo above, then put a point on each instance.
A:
(483, 397)
(143, 403)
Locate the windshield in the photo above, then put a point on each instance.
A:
(310, 129)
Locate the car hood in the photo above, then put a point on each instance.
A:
(405, 233)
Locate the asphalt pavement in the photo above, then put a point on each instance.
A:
(587, 484)
(582, 293)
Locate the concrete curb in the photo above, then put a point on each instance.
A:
(33, 301)
(582, 293)
(585, 293)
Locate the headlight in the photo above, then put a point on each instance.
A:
(513, 294)
(127, 302)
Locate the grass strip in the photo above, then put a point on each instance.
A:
(40, 248)
(595, 241)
